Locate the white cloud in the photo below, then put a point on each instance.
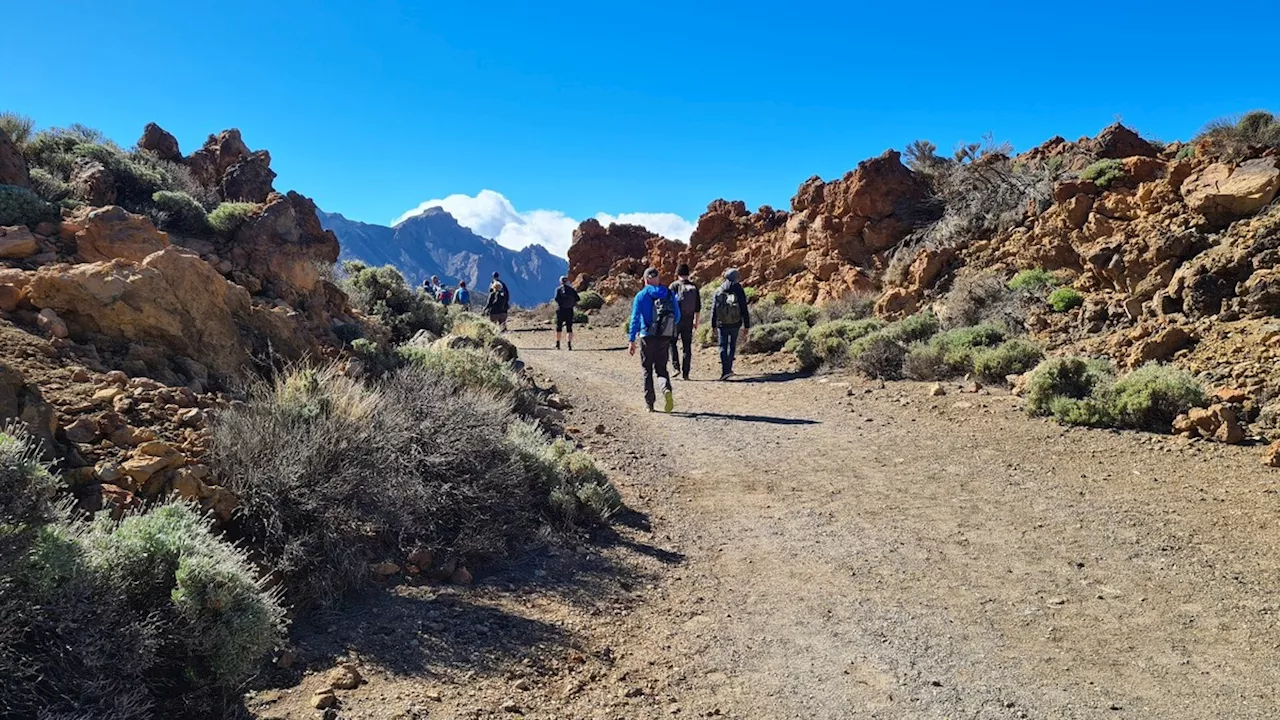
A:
(490, 214)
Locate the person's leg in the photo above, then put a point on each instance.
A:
(661, 348)
(647, 363)
(675, 351)
(726, 360)
(733, 347)
(568, 327)
(686, 339)
(559, 327)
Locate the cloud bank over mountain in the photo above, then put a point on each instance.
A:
(490, 214)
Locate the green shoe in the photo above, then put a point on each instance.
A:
(668, 401)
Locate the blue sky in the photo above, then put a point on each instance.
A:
(580, 108)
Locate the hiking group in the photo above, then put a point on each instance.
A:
(663, 320)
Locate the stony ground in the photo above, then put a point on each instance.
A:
(831, 548)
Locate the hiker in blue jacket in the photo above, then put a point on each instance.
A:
(654, 316)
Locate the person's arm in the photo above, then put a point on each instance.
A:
(746, 310)
(634, 328)
(697, 314)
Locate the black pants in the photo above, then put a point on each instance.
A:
(564, 319)
(683, 339)
(653, 357)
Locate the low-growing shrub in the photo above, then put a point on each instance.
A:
(1012, 357)
(977, 298)
(806, 357)
(590, 300)
(383, 293)
(951, 353)
(17, 127)
(920, 326)
(577, 492)
(804, 314)
(180, 212)
(1034, 280)
(475, 369)
(580, 317)
(845, 329)
(879, 356)
(854, 306)
(49, 187)
(1150, 397)
(1064, 299)
(229, 216)
(20, 206)
(1103, 172)
(752, 294)
(771, 337)
(1073, 378)
(482, 334)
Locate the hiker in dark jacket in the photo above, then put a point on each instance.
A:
(730, 319)
(654, 317)
(499, 303)
(689, 298)
(566, 304)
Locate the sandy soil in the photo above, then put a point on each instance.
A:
(833, 548)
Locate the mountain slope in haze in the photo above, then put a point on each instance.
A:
(433, 243)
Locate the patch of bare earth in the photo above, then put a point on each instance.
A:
(831, 548)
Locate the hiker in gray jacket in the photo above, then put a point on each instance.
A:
(730, 319)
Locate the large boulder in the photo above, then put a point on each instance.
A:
(172, 299)
(283, 245)
(22, 402)
(113, 232)
(219, 153)
(13, 166)
(1222, 193)
(1118, 142)
(17, 243)
(160, 143)
(93, 183)
(250, 179)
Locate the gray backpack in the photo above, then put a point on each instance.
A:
(728, 313)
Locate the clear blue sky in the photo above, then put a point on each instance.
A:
(587, 107)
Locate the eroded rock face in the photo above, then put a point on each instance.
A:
(17, 242)
(21, 400)
(13, 166)
(159, 142)
(284, 246)
(1119, 142)
(219, 153)
(832, 243)
(1223, 193)
(250, 179)
(92, 183)
(113, 232)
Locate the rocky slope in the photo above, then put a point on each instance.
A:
(1174, 248)
(433, 243)
(118, 339)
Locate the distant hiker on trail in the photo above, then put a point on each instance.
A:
(730, 318)
(566, 305)
(689, 298)
(654, 317)
(499, 303)
(444, 295)
(462, 296)
(432, 287)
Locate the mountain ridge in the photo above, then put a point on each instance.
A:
(433, 243)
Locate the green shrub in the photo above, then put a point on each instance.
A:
(920, 326)
(752, 294)
(20, 206)
(845, 329)
(580, 317)
(1150, 397)
(804, 314)
(1064, 299)
(766, 313)
(1186, 152)
(1104, 172)
(180, 212)
(1012, 357)
(879, 356)
(229, 216)
(384, 294)
(17, 127)
(1073, 378)
(49, 187)
(1089, 412)
(1034, 280)
(704, 335)
(770, 337)
(474, 369)
(802, 348)
(590, 300)
(926, 361)
(983, 297)
(482, 334)
(1236, 138)
(951, 353)
(577, 493)
(775, 298)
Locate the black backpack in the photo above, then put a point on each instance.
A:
(687, 296)
(664, 316)
(728, 312)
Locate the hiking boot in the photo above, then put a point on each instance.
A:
(650, 407)
(668, 401)
(685, 376)
(571, 346)
(558, 346)
(726, 376)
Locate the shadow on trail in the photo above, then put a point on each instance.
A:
(747, 418)
(770, 377)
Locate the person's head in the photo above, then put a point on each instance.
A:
(651, 277)
(564, 279)
(495, 274)
(435, 279)
(731, 275)
(462, 283)
(683, 270)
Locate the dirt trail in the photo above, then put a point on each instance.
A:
(819, 549)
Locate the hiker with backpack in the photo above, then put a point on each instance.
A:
(730, 319)
(654, 317)
(462, 296)
(499, 303)
(444, 295)
(566, 305)
(689, 299)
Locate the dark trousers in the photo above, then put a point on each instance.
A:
(653, 357)
(683, 339)
(728, 347)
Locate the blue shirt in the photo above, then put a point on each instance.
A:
(642, 310)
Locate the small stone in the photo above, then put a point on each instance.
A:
(510, 706)
(434, 695)
(83, 430)
(324, 699)
(108, 472)
(344, 677)
(287, 659)
(1271, 457)
(117, 377)
(385, 569)
(601, 429)
(1057, 601)
(936, 390)
(155, 448)
(422, 558)
(49, 321)
(461, 576)
(80, 375)
(571, 687)
(107, 395)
